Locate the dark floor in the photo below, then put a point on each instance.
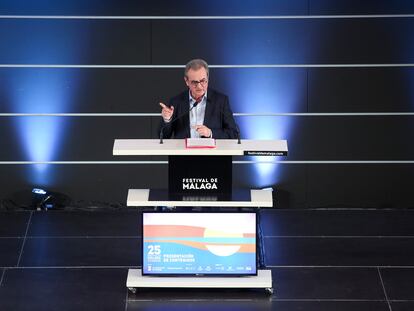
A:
(321, 260)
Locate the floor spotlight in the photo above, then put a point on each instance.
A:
(41, 199)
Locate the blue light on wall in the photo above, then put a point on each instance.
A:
(41, 91)
(266, 90)
(269, 91)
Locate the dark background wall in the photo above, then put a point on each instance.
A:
(285, 68)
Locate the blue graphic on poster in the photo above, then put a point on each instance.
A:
(199, 243)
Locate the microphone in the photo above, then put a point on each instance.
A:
(173, 120)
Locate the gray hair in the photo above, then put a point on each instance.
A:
(196, 64)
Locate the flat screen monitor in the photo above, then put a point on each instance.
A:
(198, 243)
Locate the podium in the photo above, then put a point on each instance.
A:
(200, 177)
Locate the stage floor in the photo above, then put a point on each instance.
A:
(320, 260)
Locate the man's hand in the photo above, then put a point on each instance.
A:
(203, 130)
(166, 112)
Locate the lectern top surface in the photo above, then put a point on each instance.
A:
(177, 147)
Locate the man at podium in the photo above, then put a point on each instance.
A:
(199, 112)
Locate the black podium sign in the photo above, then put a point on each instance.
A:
(200, 175)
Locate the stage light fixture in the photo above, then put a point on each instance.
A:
(38, 191)
(41, 199)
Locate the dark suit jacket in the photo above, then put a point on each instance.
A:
(218, 117)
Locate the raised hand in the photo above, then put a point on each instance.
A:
(166, 112)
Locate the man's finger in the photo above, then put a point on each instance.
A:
(163, 106)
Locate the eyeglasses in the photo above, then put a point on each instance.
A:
(195, 83)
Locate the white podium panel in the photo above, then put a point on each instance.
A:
(177, 147)
(263, 279)
(258, 198)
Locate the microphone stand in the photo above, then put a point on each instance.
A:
(173, 120)
(238, 134)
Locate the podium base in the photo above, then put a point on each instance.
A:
(263, 280)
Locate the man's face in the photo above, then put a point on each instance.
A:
(197, 82)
